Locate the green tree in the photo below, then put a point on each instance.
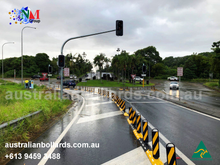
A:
(99, 61)
(42, 61)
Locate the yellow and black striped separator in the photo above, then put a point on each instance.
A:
(123, 110)
(155, 143)
(122, 103)
(133, 125)
(154, 155)
(116, 100)
(138, 133)
(121, 107)
(171, 154)
(129, 120)
(119, 102)
(145, 131)
(113, 96)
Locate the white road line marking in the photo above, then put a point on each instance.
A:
(136, 156)
(97, 117)
(98, 103)
(147, 102)
(184, 158)
(189, 109)
(51, 150)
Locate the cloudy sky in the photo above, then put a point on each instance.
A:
(174, 27)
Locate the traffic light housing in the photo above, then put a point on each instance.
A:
(61, 61)
(144, 68)
(49, 69)
(119, 28)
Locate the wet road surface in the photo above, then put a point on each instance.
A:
(194, 92)
(100, 122)
(181, 126)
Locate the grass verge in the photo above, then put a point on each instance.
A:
(212, 85)
(27, 101)
(105, 83)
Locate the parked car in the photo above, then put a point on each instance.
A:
(44, 79)
(174, 85)
(35, 76)
(69, 83)
(58, 78)
(172, 78)
(137, 78)
(73, 77)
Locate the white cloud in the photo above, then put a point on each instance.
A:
(174, 27)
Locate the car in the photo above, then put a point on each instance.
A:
(44, 79)
(58, 78)
(172, 78)
(69, 83)
(174, 85)
(35, 76)
(137, 78)
(73, 76)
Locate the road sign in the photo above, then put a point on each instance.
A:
(66, 72)
(180, 71)
(44, 75)
(143, 75)
(133, 76)
(49, 75)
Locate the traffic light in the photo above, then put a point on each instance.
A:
(49, 69)
(61, 61)
(144, 68)
(119, 28)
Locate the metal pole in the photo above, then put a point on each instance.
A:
(2, 63)
(179, 86)
(14, 75)
(2, 58)
(22, 51)
(149, 70)
(61, 89)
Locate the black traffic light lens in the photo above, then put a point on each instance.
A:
(61, 61)
(119, 28)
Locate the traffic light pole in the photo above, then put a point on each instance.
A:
(61, 85)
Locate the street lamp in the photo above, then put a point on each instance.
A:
(2, 58)
(149, 64)
(73, 59)
(22, 51)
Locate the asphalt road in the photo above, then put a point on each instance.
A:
(194, 92)
(99, 122)
(181, 126)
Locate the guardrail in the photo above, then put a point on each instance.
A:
(16, 121)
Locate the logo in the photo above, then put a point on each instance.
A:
(24, 16)
(201, 153)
